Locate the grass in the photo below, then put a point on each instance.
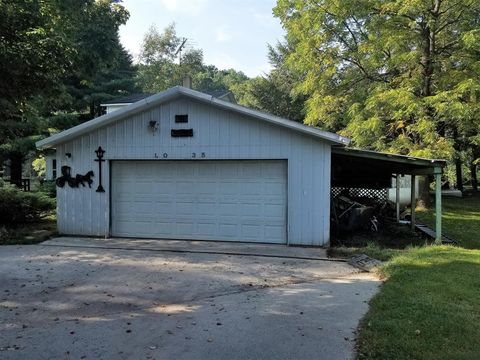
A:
(33, 233)
(460, 218)
(428, 307)
(372, 249)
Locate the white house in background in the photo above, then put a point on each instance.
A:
(117, 104)
(186, 165)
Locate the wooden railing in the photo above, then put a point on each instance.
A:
(23, 184)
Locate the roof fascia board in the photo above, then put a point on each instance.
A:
(107, 119)
(410, 160)
(334, 138)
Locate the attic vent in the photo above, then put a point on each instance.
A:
(181, 118)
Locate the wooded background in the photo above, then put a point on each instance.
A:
(395, 76)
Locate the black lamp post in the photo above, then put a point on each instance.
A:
(100, 159)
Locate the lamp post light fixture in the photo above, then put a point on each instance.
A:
(100, 152)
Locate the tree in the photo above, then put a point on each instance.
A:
(101, 68)
(163, 65)
(157, 69)
(397, 76)
(275, 92)
(54, 56)
(33, 57)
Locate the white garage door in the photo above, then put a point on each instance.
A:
(200, 200)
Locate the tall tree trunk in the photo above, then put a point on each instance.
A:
(458, 173)
(474, 167)
(92, 109)
(16, 162)
(423, 200)
(429, 48)
(427, 61)
(473, 174)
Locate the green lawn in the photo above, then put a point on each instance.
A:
(461, 220)
(429, 308)
(429, 305)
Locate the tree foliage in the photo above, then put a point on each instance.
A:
(32, 58)
(162, 66)
(275, 92)
(399, 76)
(100, 67)
(56, 56)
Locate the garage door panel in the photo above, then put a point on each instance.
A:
(228, 209)
(185, 229)
(228, 231)
(205, 208)
(273, 232)
(274, 210)
(274, 188)
(207, 229)
(204, 187)
(271, 171)
(227, 187)
(204, 200)
(252, 188)
(251, 208)
(185, 208)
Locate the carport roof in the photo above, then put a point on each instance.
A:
(409, 162)
(174, 93)
(371, 169)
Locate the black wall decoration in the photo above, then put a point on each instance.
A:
(100, 159)
(182, 132)
(181, 118)
(74, 182)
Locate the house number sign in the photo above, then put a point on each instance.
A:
(194, 155)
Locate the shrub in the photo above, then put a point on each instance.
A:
(18, 207)
(48, 187)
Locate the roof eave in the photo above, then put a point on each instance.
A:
(106, 119)
(411, 160)
(331, 137)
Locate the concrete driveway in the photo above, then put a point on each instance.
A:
(91, 301)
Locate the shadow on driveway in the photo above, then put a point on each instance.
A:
(82, 303)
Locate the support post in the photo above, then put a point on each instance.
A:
(397, 196)
(413, 202)
(438, 205)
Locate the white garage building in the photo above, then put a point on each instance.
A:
(185, 165)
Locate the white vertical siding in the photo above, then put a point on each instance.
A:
(221, 135)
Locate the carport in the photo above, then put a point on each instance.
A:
(364, 170)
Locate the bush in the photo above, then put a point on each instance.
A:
(18, 207)
(48, 187)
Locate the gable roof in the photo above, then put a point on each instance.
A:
(179, 91)
(132, 98)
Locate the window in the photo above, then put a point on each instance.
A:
(181, 118)
(54, 169)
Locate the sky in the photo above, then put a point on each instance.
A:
(231, 33)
